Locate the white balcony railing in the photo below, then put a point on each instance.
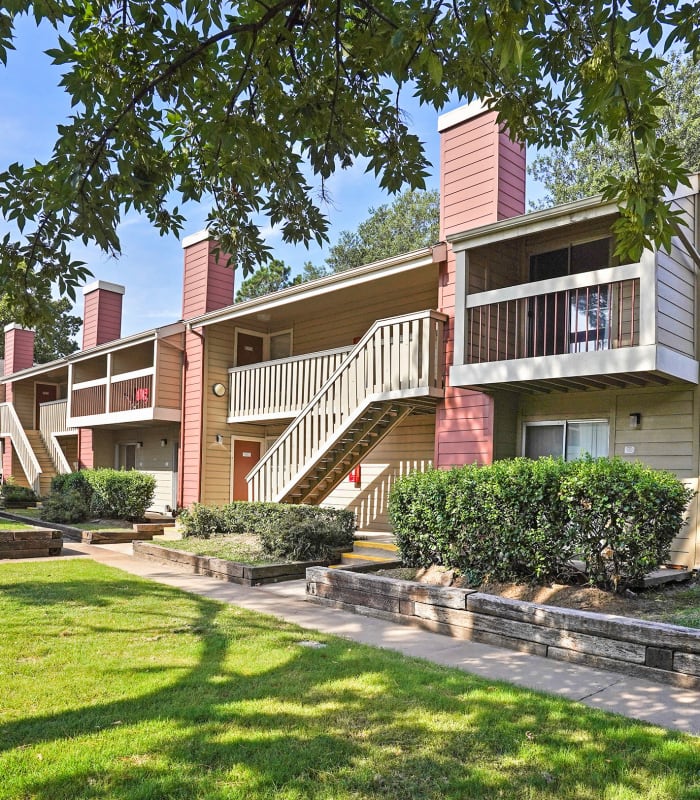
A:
(12, 427)
(280, 389)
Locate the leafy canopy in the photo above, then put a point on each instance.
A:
(54, 335)
(241, 102)
(582, 170)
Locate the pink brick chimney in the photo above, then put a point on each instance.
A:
(102, 315)
(208, 282)
(19, 355)
(482, 180)
(207, 286)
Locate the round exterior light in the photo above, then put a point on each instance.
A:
(219, 389)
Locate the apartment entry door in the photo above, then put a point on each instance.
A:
(245, 454)
(45, 393)
(249, 349)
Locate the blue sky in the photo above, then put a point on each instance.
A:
(32, 105)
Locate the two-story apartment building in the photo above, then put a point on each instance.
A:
(522, 335)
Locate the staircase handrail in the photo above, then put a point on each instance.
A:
(432, 373)
(49, 437)
(12, 427)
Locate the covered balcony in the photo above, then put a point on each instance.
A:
(594, 328)
(135, 383)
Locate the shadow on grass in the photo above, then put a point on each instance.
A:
(256, 715)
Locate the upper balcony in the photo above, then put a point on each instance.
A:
(137, 382)
(630, 325)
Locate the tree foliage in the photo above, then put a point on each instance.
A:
(410, 222)
(54, 334)
(581, 170)
(179, 100)
(270, 277)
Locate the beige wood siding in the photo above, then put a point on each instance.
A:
(676, 291)
(342, 323)
(23, 401)
(169, 377)
(505, 425)
(409, 447)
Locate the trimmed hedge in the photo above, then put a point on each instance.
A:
(289, 532)
(12, 492)
(118, 494)
(524, 520)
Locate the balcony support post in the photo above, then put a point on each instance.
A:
(108, 387)
(647, 298)
(461, 270)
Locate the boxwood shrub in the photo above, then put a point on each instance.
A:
(288, 532)
(530, 520)
(103, 492)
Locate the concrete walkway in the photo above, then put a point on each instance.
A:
(657, 703)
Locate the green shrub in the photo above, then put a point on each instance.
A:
(623, 518)
(13, 493)
(121, 494)
(289, 532)
(524, 520)
(65, 507)
(307, 533)
(73, 482)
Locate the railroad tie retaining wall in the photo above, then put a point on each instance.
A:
(657, 651)
(35, 543)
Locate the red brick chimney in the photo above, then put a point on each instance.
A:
(207, 286)
(482, 180)
(19, 355)
(102, 315)
(208, 282)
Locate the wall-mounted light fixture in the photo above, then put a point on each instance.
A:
(163, 442)
(219, 438)
(635, 420)
(218, 389)
(139, 445)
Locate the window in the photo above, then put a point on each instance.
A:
(574, 321)
(570, 439)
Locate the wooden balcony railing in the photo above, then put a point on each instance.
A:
(125, 392)
(12, 427)
(281, 388)
(575, 314)
(53, 422)
(397, 359)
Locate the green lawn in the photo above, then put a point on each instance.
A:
(233, 547)
(113, 687)
(11, 525)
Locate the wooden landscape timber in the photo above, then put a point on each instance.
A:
(653, 650)
(33, 543)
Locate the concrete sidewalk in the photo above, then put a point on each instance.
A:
(657, 703)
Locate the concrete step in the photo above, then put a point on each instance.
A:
(369, 554)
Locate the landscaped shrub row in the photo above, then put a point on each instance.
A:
(527, 520)
(14, 495)
(294, 532)
(110, 493)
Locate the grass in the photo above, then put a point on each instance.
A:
(113, 687)
(11, 525)
(234, 547)
(679, 607)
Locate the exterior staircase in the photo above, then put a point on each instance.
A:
(43, 456)
(370, 554)
(395, 369)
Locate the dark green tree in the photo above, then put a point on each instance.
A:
(412, 221)
(270, 277)
(54, 337)
(240, 102)
(582, 169)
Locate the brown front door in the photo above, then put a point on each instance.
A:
(246, 454)
(249, 349)
(45, 393)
